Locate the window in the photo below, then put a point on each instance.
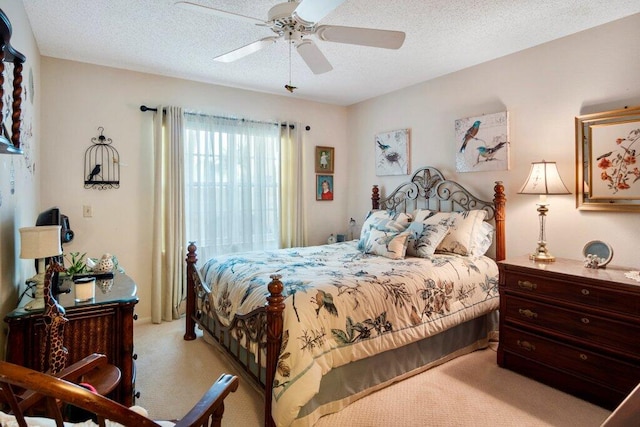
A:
(232, 179)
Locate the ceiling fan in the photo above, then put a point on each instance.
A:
(294, 21)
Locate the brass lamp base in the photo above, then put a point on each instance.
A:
(542, 254)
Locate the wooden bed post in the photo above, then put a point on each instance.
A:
(375, 198)
(499, 201)
(190, 323)
(275, 307)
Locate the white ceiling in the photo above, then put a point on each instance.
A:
(442, 36)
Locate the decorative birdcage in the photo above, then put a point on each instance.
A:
(101, 164)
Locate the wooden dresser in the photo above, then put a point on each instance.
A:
(574, 328)
(104, 325)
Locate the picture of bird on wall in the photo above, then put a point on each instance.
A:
(392, 152)
(482, 143)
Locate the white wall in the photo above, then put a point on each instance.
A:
(19, 208)
(78, 98)
(544, 89)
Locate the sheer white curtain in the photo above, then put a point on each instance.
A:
(232, 184)
(168, 274)
(293, 229)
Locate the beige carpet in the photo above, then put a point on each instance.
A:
(172, 374)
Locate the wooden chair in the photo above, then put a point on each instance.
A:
(22, 388)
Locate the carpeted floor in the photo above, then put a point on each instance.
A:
(172, 374)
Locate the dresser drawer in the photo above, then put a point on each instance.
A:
(584, 326)
(575, 293)
(616, 374)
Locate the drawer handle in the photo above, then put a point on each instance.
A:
(525, 284)
(585, 320)
(585, 292)
(526, 345)
(528, 313)
(135, 356)
(583, 356)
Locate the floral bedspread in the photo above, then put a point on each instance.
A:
(343, 305)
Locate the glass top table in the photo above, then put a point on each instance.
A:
(120, 289)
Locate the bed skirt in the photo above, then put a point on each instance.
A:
(344, 385)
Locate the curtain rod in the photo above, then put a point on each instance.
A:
(144, 108)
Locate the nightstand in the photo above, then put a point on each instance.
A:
(104, 325)
(574, 328)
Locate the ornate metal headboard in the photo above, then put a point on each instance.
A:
(428, 189)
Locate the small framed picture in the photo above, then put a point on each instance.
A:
(324, 187)
(324, 159)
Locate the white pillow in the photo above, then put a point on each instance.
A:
(389, 244)
(462, 226)
(385, 221)
(425, 238)
(482, 239)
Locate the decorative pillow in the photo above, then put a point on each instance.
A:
(425, 238)
(389, 244)
(462, 226)
(385, 221)
(482, 239)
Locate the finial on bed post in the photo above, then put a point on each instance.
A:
(275, 307)
(375, 198)
(190, 323)
(499, 201)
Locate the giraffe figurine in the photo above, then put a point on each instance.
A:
(53, 354)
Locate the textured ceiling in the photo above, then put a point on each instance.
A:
(442, 36)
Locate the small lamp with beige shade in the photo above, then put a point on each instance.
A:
(543, 180)
(39, 243)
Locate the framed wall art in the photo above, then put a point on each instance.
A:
(392, 152)
(482, 143)
(607, 168)
(324, 187)
(324, 159)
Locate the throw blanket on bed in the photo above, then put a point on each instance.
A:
(343, 305)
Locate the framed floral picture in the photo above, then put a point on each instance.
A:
(607, 167)
(324, 159)
(324, 187)
(392, 152)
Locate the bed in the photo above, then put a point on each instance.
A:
(320, 327)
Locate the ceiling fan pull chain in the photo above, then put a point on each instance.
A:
(289, 87)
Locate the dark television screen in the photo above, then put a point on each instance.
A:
(49, 217)
(54, 217)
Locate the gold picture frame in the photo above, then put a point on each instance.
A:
(607, 167)
(325, 157)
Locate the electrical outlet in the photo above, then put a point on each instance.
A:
(87, 211)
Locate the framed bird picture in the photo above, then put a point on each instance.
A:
(392, 152)
(482, 143)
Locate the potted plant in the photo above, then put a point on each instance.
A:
(76, 264)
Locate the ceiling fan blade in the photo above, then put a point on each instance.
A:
(314, 10)
(195, 7)
(313, 57)
(361, 36)
(243, 51)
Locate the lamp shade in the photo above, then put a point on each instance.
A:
(544, 179)
(40, 242)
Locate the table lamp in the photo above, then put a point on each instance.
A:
(39, 243)
(543, 179)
